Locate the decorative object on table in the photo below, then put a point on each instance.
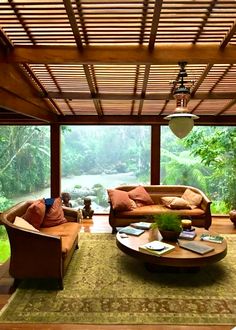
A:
(87, 210)
(156, 248)
(141, 225)
(168, 224)
(131, 231)
(197, 247)
(188, 235)
(232, 216)
(211, 238)
(186, 224)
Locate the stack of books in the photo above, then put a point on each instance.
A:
(188, 235)
(156, 248)
(131, 231)
(211, 238)
(141, 225)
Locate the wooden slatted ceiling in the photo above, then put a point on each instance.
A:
(128, 89)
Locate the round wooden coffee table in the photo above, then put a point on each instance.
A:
(178, 257)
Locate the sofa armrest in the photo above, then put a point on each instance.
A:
(34, 255)
(71, 214)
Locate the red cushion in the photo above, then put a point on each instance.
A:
(140, 196)
(120, 200)
(35, 213)
(55, 215)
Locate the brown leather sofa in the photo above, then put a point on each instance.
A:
(200, 216)
(40, 254)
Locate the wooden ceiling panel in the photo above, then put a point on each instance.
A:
(210, 107)
(152, 107)
(67, 51)
(114, 107)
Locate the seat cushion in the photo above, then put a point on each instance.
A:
(158, 209)
(67, 231)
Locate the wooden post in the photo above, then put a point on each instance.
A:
(55, 160)
(155, 154)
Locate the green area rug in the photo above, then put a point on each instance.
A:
(104, 286)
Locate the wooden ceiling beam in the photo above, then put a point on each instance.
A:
(134, 96)
(163, 54)
(140, 120)
(14, 102)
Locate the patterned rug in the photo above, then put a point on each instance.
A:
(104, 286)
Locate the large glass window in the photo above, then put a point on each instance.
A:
(95, 158)
(24, 163)
(206, 159)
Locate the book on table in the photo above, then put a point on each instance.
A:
(198, 247)
(188, 235)
(141, 225)
(131, 231)
(211, 238)
(156, 248)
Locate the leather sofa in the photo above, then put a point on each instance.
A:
(45, 253)
(200, 216)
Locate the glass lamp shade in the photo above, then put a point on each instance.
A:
(181, 124)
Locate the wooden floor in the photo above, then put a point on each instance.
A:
(100, 224)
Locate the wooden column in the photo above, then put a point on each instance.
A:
(55, 160)
(155, 154)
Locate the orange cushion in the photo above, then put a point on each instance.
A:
(120, 200)
(35, 213)
(55, 215)
(140, 196)
(67, 231)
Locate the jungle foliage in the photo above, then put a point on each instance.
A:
(24, 160)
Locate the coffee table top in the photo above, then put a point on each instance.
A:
(178, 257)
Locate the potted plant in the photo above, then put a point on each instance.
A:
(168, 224)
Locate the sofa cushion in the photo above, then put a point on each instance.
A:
(68, 232)
(120, 200)
(176, 203)
(140, 196)
(193, 199)
(55, 215)
(158, 209)
(35, 213)
(22, 223)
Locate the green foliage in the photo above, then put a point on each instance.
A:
(216, 148)
(5, 203)
(4, 245)
(24, 159)
(167, 221)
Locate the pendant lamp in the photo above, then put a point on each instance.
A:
(181, 121)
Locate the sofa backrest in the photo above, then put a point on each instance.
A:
(158, 191)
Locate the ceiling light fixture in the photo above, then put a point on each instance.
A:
(181, 121)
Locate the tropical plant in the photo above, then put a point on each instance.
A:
(216, 149)
(167, 221)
